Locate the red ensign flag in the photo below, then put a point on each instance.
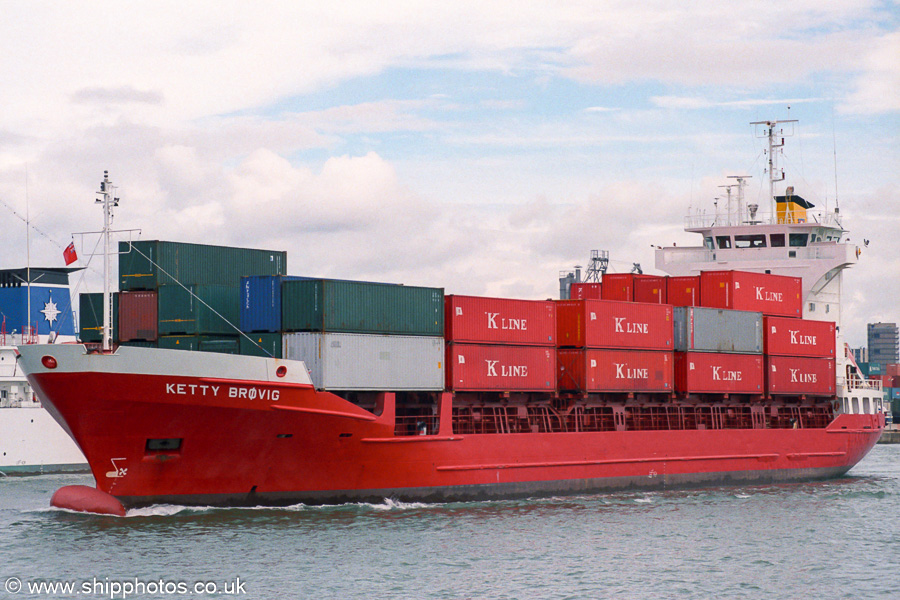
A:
(69, 254)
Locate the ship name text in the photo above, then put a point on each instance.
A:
(197, 389)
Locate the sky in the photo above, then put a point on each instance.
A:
(482, 147)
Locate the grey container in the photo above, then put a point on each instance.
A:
(351, 361)
(147, 265)
(718, 330)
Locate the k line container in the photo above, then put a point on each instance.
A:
(585, 291)
(205, 309)
(475, 319)
(262, 344)
(683, 290)
(137, 316)
(715, 373)
(351, 361)
(718, 330)
(651, 289)
(799, 337)
(759, 292)
(496, 368)
(90, 317)
(608, 324)
(792, 375)
(261, 302)
(595, 370)
(619, 286)
(153, 263)
(328, 305)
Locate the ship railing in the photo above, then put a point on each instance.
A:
(855, 383)
(723, 219)
(698, 254)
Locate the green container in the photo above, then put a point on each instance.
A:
(327, 305)
(270, 344)
(139, 344)
(148, 265)
(223, 344)
(194, 312)
(180, 342)
(90, 317)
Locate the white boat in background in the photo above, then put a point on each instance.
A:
(31, 441)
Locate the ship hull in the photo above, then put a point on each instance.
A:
(286, 443)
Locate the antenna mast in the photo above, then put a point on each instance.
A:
(772, 135)
(108, 200)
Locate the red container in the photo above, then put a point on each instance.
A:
(651, 289)
(792, 375)
(798, 337)
(683, 291)
(607, 324)
(137, 316)
(714, 373)
(484, 368)
(590, 370)
(619, 286)
(892, 370)
(585, 291)
(475, 319)
(758, 292)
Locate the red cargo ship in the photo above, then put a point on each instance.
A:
(198, 428)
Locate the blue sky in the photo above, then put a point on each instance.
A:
(479, 147)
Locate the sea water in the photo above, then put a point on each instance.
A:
(820, 540)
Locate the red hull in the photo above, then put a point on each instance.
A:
(300, 445)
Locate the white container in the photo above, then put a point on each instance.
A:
(356, 361)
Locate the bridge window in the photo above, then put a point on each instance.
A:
(798, 239)
(707, 241)
(777, 240)
(723, 241)
(757, 240)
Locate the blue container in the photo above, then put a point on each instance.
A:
(261, 302)
(895, 393)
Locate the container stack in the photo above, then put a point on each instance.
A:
(800, 356)
(585, 291)
(357, 335)
(607, 346)
(500, 344)
(776, 295)
(90, 316)
(619, 286)
(683, 290)
(718, 351)
(260, 314)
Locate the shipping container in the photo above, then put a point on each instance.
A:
(718, 373)
(605, 370)
(683, 290)
(479, 320)
(90, 317)
(608, 324)
(147, 265)
(585, 291)
(892, 369)
(798, 337)
(758, 292)
(261, 302)
(328, 305)
(496, 368)
(194, 310)
(351, 361)
(718, 330)
(137, 316)
(875, 368)
(792, 375)
(223, 344)
(179, 342)
(651, 288)
(619, 286)
(262, 344)
(895, 393)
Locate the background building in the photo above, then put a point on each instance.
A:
(884, 343)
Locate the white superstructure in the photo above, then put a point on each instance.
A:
(788, 239)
